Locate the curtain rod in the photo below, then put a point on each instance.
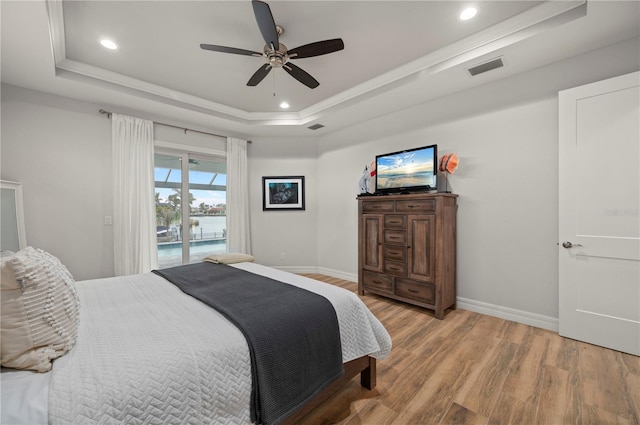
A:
(109, 113)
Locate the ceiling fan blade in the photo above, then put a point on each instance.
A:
(265, 21)
(233, 50)
(316, 49)
(300, 75)
(259, 75)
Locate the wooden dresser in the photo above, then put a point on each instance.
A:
(407, 248)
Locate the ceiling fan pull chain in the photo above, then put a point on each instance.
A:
(274, 83)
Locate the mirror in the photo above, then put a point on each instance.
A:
(12, 231)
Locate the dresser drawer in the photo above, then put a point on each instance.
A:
(396, 268)
(395, 237)
(377, 282)
(416, 205)
(424, 292)
(392, 252)
(377, 206)
(395, 221)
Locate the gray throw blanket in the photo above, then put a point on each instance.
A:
(293, 334)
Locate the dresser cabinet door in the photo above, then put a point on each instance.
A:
(421, 247)
(372, 242)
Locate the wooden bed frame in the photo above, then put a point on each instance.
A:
(365, 366)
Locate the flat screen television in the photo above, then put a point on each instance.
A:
(411, 170)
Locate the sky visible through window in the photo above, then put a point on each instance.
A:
(208, 197)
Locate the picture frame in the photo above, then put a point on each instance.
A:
(283, 193)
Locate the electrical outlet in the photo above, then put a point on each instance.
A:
(108, 221)
(283, 256)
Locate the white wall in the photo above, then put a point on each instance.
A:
(506, 136)
(60, 150)
(293, 233)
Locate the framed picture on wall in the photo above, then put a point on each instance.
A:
(283, 193)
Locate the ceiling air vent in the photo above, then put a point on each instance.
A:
(487, 66)
(315, 127)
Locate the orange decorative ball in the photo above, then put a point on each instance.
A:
(449, 163)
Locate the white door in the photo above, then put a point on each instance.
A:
(599, 203)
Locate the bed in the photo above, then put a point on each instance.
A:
(146, 352)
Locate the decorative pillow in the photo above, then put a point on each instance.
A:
(228, 258)
(40, 310)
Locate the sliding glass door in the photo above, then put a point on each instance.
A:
(193, 226)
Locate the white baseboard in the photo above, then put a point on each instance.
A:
(351, 277)
(520, 316)
(297, 269)
(318, 270)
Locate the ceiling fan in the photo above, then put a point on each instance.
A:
(276, 53)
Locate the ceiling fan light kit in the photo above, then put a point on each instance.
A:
(275, 53)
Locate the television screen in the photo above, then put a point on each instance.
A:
(410, 170)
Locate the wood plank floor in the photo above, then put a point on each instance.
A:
(477, 369)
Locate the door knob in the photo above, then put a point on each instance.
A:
(567, 244)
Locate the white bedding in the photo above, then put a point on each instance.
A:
(24, 397)
(124, 370)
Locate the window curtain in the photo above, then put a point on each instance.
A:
(134, 217)
(238, 228)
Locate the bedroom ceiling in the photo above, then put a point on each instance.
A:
(397, 54)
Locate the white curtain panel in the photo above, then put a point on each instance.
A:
(134, 217)
(238, 227)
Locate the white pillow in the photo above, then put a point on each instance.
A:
(228, 258)
(40, 310)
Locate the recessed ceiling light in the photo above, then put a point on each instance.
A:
(109, 44)
(284, 105)
(468, 13)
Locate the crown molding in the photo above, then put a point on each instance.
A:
(547, 15)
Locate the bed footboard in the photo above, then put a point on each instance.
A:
(365, 366)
